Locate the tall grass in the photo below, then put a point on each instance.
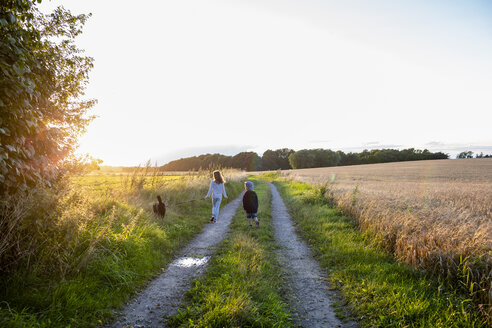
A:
(87, 246)
(434, 215)
(380, 291)
(243, 285)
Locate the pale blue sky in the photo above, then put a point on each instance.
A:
(180, 78)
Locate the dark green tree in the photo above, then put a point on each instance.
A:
(276, 159)
(301, 159)
(465, 154)
(42, 78)
(325, 157)
(307, 158)
(348, 158)
(195, 163)
(248, 161)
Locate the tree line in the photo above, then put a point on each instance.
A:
(286, 158)
(469, 154)
(247, 161)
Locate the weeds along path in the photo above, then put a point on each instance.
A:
(309, 294)
(161, 298)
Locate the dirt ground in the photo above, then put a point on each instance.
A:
(308, 291)
(162, 297)
(309, 296)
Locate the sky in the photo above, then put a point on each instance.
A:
(183, 78)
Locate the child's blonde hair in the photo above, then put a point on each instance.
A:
(218, 178)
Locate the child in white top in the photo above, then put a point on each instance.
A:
(216, 190)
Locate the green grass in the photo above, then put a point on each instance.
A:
(377, 289)
(243, 285)
(97, 246)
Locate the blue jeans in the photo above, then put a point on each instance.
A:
(216, 206)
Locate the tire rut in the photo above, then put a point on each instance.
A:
(308, 291)
(161, 298)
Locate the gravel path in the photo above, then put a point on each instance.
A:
(309, 294)
(161, 298)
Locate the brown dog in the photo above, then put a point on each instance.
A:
(159, 207)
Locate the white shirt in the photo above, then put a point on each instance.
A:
(216, 189)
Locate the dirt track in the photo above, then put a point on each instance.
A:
(309, 293)
(161, 298)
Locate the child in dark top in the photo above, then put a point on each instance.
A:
(250, 204)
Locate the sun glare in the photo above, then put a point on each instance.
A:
(259, 75)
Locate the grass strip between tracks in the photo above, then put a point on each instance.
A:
(243, 285)
(379, 291)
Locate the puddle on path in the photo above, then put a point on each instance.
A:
(186, 262)
(163, 295)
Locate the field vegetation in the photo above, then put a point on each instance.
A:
(434, 215)
(83, 248)
(243, 285)
(380, 291)
(73, 249)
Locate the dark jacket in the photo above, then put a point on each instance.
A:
(250, 201)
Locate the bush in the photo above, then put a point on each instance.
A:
(42, 76)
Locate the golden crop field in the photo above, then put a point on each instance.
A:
(427, 213)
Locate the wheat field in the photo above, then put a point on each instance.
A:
(435, 215)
